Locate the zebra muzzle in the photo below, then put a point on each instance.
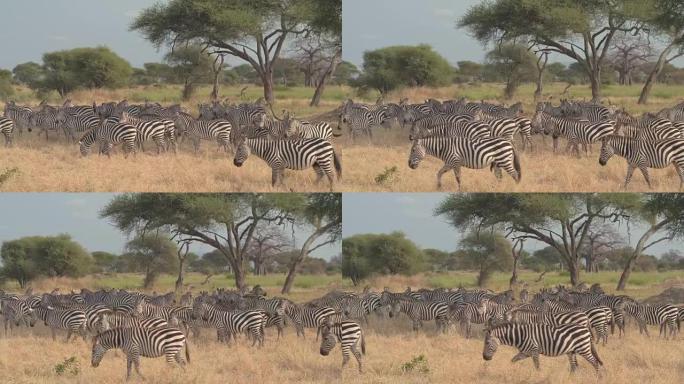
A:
(237, 163)
(324, 352)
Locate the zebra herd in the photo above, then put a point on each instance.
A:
(283, 143)
(479, 135)
(551, 322)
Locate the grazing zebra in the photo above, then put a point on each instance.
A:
(419, 311)
(643, 155)
(148, 130)
(666, 316)
(577, 132)
(109, 134)
(306, 130)
(358, 119)
(20, 115)
(73, 320)
(45, 121)
(217, 130)
(76, 123)
(307, 317)
(437, 126)
(533, 340)
(349, 334)
(7, 129)
(474, 154)
(14, 312)
(230, 323)
(122, 320)
(292, 154)
(522, 316)
(139, 341)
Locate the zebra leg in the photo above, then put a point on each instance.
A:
(446, 168)
(357, 355)
(644, 171)
(680, 171)
(573, 361)
(630, 172)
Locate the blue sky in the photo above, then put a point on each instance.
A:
(48, 214)
(411, 213)
(373, 24)
(30, 28)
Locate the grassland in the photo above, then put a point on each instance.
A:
(30, 357)
(378, 167)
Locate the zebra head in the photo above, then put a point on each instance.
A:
(491, 343)
(607, 151)
(328, 341)
(242, 153)
(417, 154)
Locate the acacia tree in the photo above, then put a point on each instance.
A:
(600, 240)
(581, 30)
(225, 222)
(267, 242)
(252, 31)
(153, 254)
(515, 62)
(665, 215)
(668, 21)
(487, 252)
(561, 221)
(327, 25)
(323, 214)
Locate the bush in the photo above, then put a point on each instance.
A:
(387, 69)
(6, 89)
(417, 364)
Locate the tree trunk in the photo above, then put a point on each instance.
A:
(638, 250)
(653, 76)
(267, 79)
(514, 274)
(181, 276)
(217, 85)
(595, 78)
(240, 278)
(320, 87)
(289, 280)
(573, 268)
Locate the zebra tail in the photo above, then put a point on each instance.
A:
(187, 352)
(363, 343)
(338, 165)
(593, 352)
(516, 165)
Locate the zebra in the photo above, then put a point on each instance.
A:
(504, 128)
(76, 123)
(475, 154)
(44, 120)
(148, 130)
(307, 130)
(307, 317)
(522, 316)
(230, 323)
(666, 316)
(441, 126)
(599, 318)
(121, 320)
(250, 116)
(467, 314)
(109, 134)
(218, 130)
(350, 336)
(577, 132)
(418, 311)
(19, 114)
(356, 119)
(139, 341)
(533, 340)
(73, 320)
(16, 311)
(291, 154)
(7, 129)
(643, 155)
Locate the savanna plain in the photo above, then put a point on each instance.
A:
(377, 165)
(394, 353)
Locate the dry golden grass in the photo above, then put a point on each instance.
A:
(57, 166)
(31, 356)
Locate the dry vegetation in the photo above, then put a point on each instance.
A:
(379, 167)
(390, 345)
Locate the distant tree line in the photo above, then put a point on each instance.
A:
(33, 257)
(368, 255)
